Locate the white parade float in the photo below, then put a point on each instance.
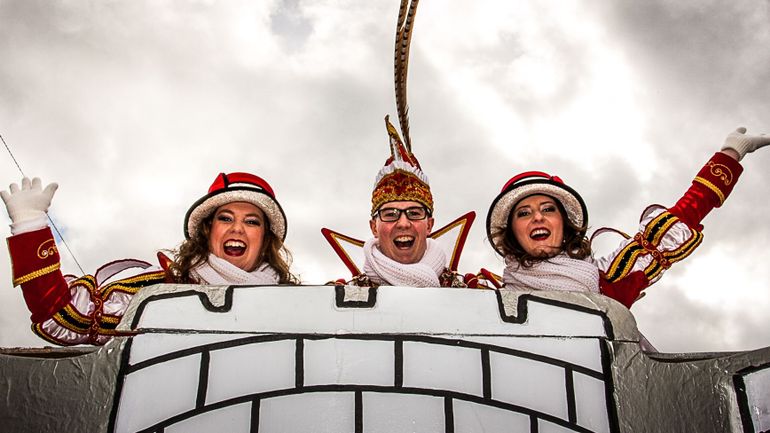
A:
(351, 359)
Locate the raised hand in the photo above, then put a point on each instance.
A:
(29, 202)
(743, 143)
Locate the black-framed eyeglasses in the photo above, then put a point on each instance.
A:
(391, 214)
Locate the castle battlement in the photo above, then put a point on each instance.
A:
(326, 358)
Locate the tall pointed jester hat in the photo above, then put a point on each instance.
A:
(402, 178)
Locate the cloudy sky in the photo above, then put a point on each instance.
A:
(133, 107)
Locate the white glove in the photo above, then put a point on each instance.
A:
(28, 204)
(743, 144)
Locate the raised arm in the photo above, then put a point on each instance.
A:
(34, 256)
(716, 179)
(668, 236)
(64, 311)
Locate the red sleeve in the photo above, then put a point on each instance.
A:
(35, 265)
(709, 189)
(627, 289)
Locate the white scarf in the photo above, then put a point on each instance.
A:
(557, 273)
(383, 270)
(220, 272)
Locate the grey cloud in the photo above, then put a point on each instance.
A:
(291, 25)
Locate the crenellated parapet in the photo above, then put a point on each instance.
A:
(325, 358)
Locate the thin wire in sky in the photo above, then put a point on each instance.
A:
(58, 233)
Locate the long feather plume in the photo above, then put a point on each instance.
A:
(401, 64)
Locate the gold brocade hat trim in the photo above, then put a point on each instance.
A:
(401, 179)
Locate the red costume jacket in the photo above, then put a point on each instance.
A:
(68, 310)
(642, 259)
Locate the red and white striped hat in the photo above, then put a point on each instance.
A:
(233, 187)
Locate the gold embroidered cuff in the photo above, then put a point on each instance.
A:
(38, 273)
(712, 187)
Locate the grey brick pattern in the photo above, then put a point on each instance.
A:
(360, 382)
(230, 419)
(476, 417)
(525, 382)
(308, 412)
(174, 388)
(248, 369)
(366, 362)
(431, 366)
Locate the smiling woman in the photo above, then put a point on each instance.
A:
(234, 236)
(539, 224)
(237, 232)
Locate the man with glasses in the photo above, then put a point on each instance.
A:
(400, 253)
(402, 228)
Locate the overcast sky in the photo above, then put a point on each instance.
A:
(133, 107)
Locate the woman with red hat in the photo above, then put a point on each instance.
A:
(538, 224)
(233, 236)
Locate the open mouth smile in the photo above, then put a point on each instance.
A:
(404, 242)
(540, 234)
(234, 248)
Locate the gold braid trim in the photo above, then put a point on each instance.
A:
(132, 285)
(76, 316)
(79, 326)
(86, 280)
(647, 242)
(38, 273)
(653, 270)
(93, 325)
(97, 323)
(626, 258)
(658, 227)
(37, 329)
(712, 187)
(665, 259)
(113, 320)
(71, 319)
(686, 248)
(68, 326)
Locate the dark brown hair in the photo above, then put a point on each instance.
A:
(575, 243)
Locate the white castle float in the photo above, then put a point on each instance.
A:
(390, 359)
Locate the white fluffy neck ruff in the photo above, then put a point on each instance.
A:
(561, 273)
(220, 272)
(383, 270)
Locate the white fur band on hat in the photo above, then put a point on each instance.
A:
(237, 187)
(533, 184)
